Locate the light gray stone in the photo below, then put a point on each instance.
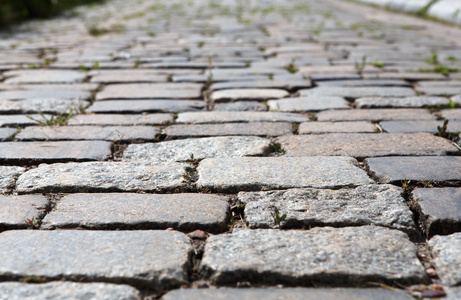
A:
(151, 91)
(49, 105)
(67, 291)
(362, 145)
(416, 101)
(43, 76)
(336, 127)
(15, 211)
(240, 106)
(39, 152)
(380, 205)
(185, 212)
(8, 176)
(253, 128)
(106, 133)
(439, 90)
(288, 293)
(247, 94)
(446, 251)
(6, 133)
(323, 256)
(127, 76)
(132, 257)
(419, 126)
(453, 293)
(413, 76)
(266, 173)
(21, 120)
(198, 149)
(358, 92)
(234, 116)
(264, 83)
(375, 115)
(119, 119)
(37, 93)
(423, 168)
(364, 83)
(312, 103)
(142, 106)
(452, 114)
(102, 176)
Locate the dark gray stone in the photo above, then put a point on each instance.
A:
(132, 257)
(423, 168)
(253, 128)
(419, 126)
(416, 101)
(336, 127)
(44, 76)
(6, 133)
(323, 256)
(102, 176)
(16, 211)
(151, 91)
(375, 115)
(312, 103)
(247, 94)
(141, 106)
(439, 209)
(185, 212)
(446, 251)
(8, 177)
(234, 116)
(117, 120)
(240, 106)
(357, 92)
(49, 105)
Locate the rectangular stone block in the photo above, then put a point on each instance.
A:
(185, 212)
(129, 257)
(327, 256)
(102, 177)
(21, 211)
(234, 116)
(365, 82)
(253, 128)
(451, 114)
(43, 76)
(6, 133)
(38, 93)
(375, 115)
(48, 105)
(419, 126)
(8, 176)
(247, 94)
(389, 102)
(151, 91)
(312, 103)
(121, 119)
(259, 83)
(21, 120)
(336, 127)
(357, 92)
(143, 106)
(127, 76)
(239, 106)
(265, 173)
(446, 251)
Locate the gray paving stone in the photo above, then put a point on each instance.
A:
(233, 116)
(375, 115)
(358, 92)
(265, 173)
(413, 76)
(49, 105)
(8, 177)
(247, 94)
(323, 256)
(451, 114)
(335, 76)
(365, 82)
(150, 91)
(16, 210)
(132, 257)
(416, 101)
(446, 251)
(439, 90)
(67, 290)
(102, 176)
(6, 133)
(197, 149)
(253, 128)
(43, 76)
(240, 106)
(127, 76)
(260, 84)
(141, 106)
(119, 119)
(336, 127)
(20, 120)
(423, 168)
(106, 133)
(419, 126)
(380, 205)
(186, 212)
(287, 293)
(439, 209)
(312, 103)
(42, 152)
(362, 145)
(38, 93)
(453, 293)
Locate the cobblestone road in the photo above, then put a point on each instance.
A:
(230, 149)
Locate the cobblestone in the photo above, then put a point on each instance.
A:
(8, 177)
(15, 211)
(253, 128)
(446, 252)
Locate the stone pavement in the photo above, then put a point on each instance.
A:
(230, 150)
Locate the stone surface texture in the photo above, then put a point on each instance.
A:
(8, 175)
(15, 211)
(447, 257)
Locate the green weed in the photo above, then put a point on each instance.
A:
(277, 217)
(58, 120)
(291, 67)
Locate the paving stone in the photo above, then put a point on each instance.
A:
(67, 290)
(8, 177)
(439, 209)
(56, 93)
(102, 176)
(419, 126)
(42, 152)
(380, 205)
(261, 84)
(416, 101)
(335, 76)
(439, 90)
(127, 76)
(253, 128)
(358, 92)
(453, 293)
(451, 114)
(375, 115)
(446, 251)
(49, 105)
(119, 119)
(150, 91)
(336, 127)
(106, 133)
(362, 145)
(233, 116)
(6, 133)
(246, 94)
(16, 210)
(423, 168)
(412, 76)
(43, 76)
(308, 104)
(287, 293)
(365, 82)
(132, 257)
(197, 149)
(240, 106)
(323, 256)
(21, 120)
(186, 212)
(265, 173)
(140, 106)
